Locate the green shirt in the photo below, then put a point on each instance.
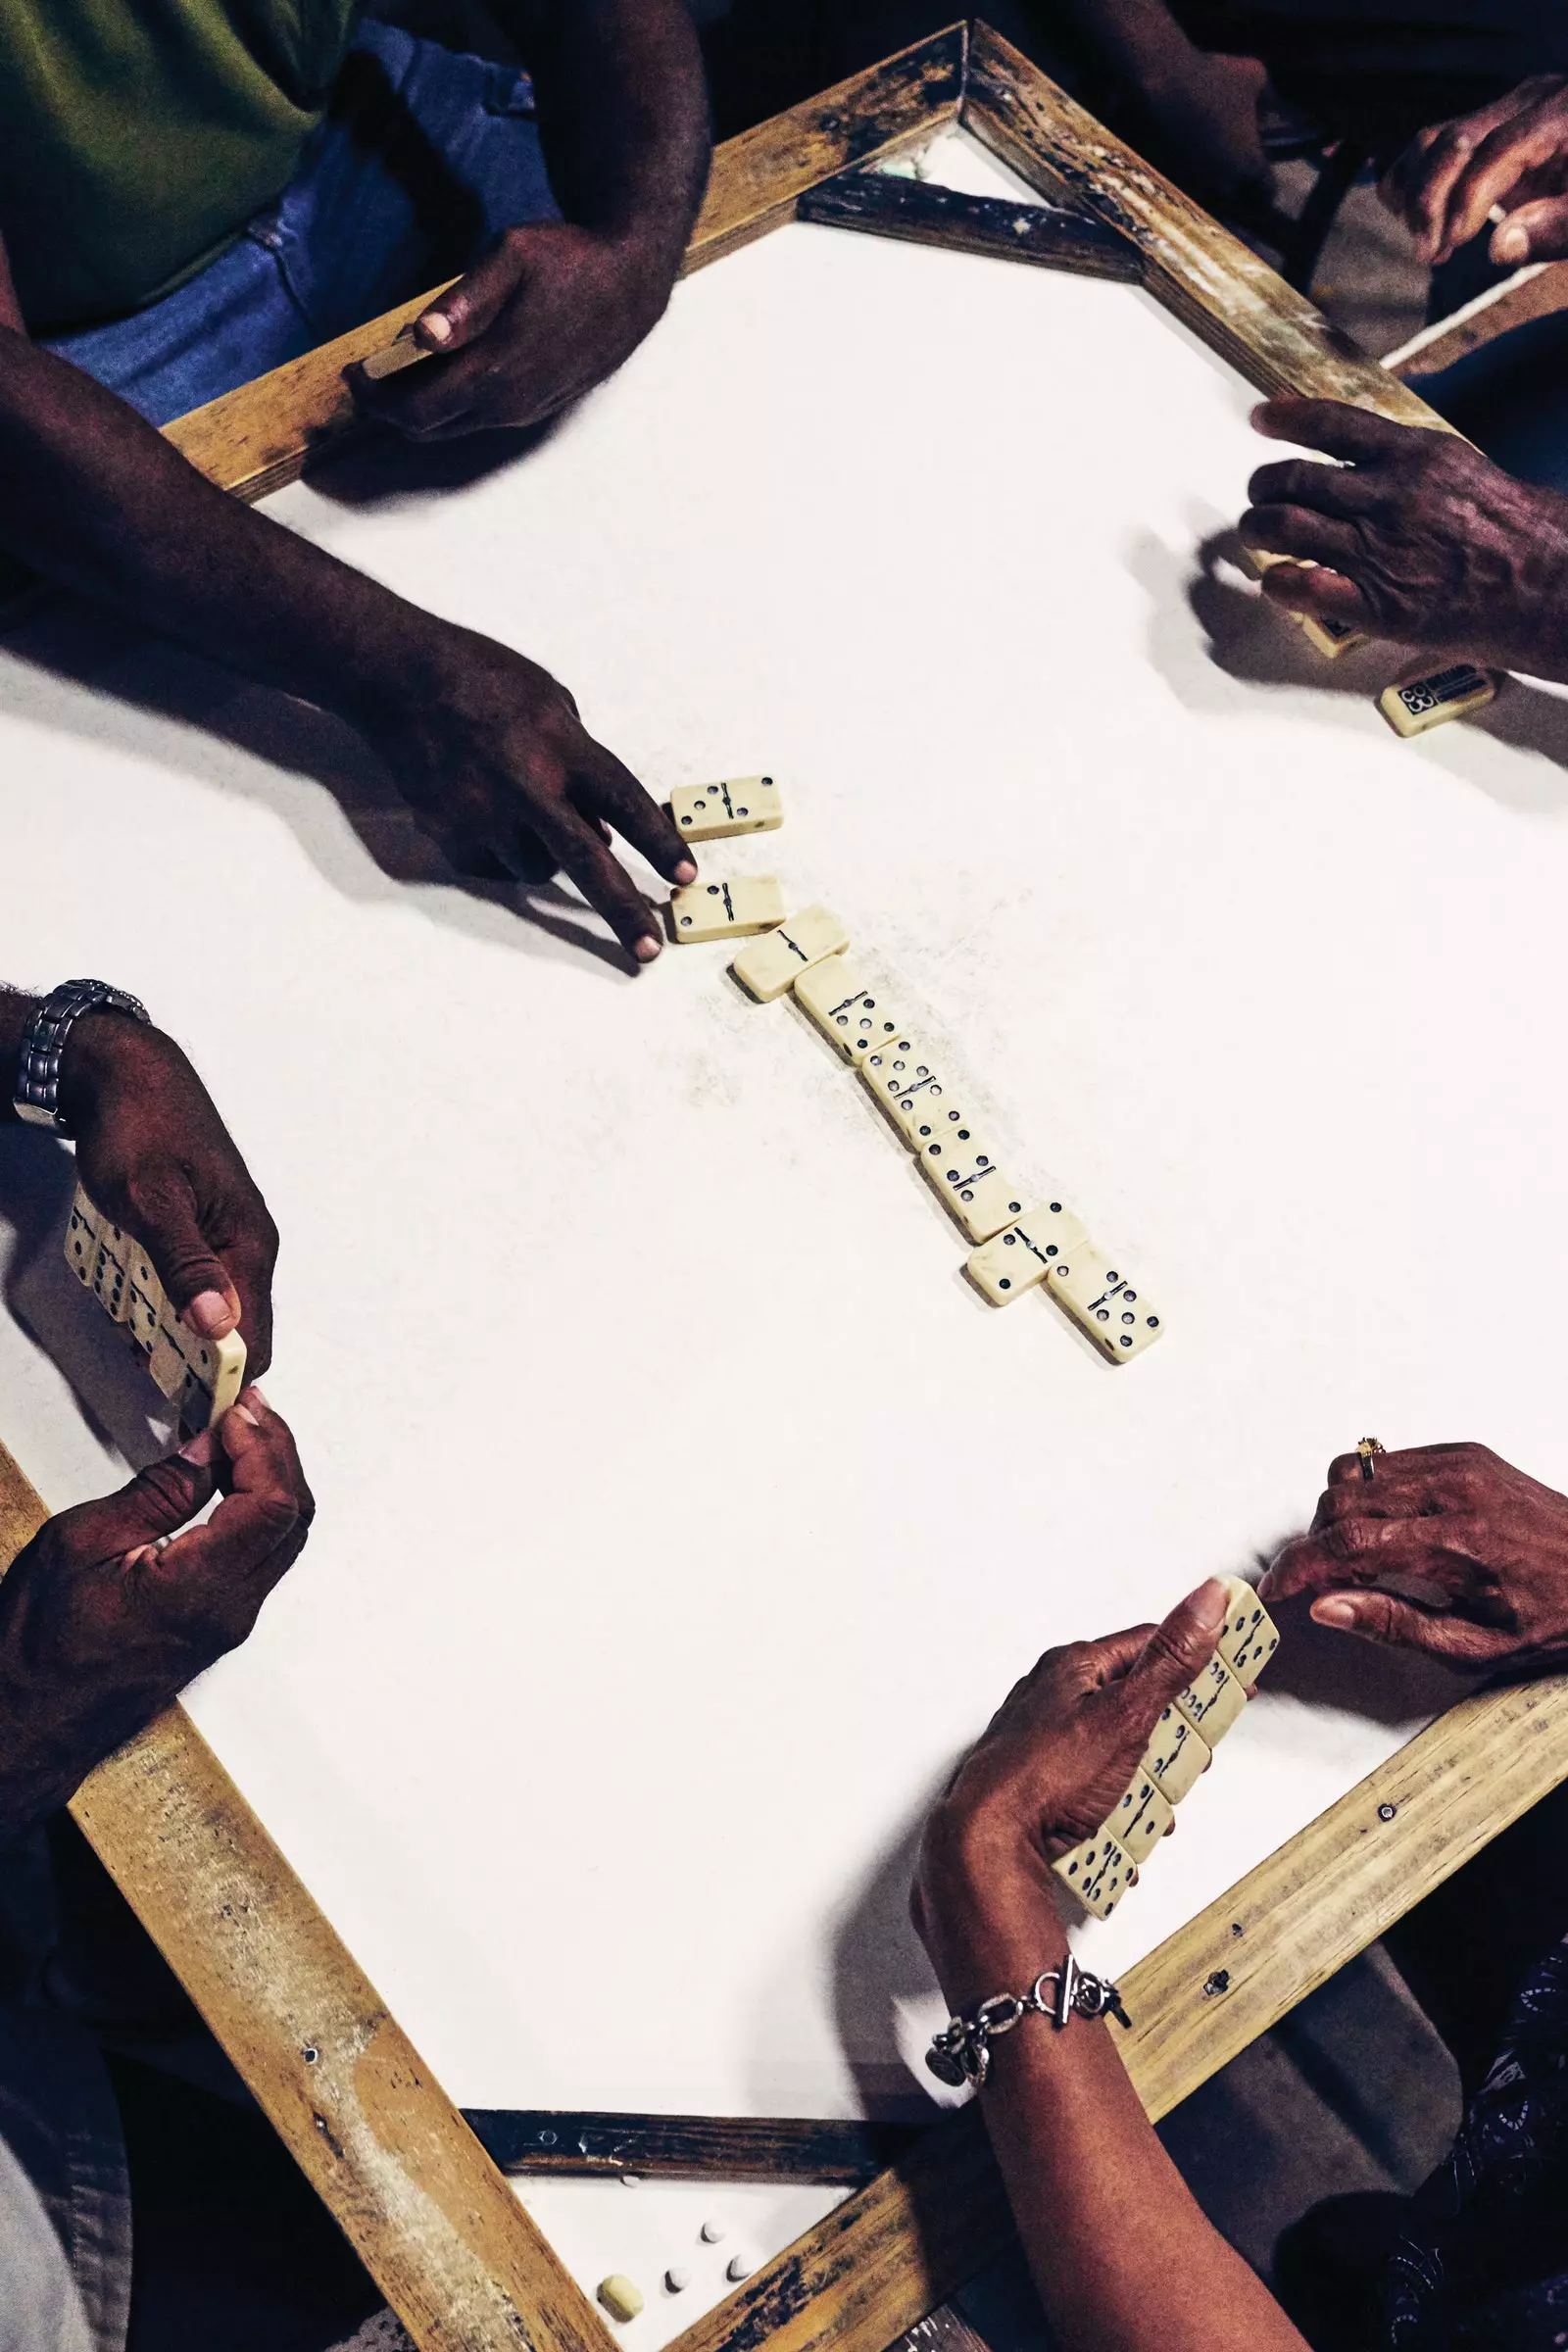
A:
(138, 136)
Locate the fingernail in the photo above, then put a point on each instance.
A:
(437, 324)
(1333, 1612)
(245, 1414)
(1213, 1599)
(648, 948)
(686, 871)
(143, 1551)
(210, 1314)
(201, 1448)
(1510, 244)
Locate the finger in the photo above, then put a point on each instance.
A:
(1306, 534)
(153, 1503)
(612, 791)
(1398, 186)
(1535, 232)
(1337, 490)
(1444, 154)
(1406, 1460)
(1322, 591)
(259, 1527)
(424, 401)
(603, 882)
(1178, 1649)
(1361, 1551)
(1385, 1617)
(1110, 1657)
(250, 1259)
(462, 313)
(195, 1278)
(1333, 426)
(1491, 172)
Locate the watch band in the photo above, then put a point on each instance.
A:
(36, 1098)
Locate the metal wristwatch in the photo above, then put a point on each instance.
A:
(36, 1096)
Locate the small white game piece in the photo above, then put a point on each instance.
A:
(214, 1377)
(145, 1301)
(738, 2267)
(1176, 1757)
(706, 910)
(968, 1183)
(402, 352)
(1427, 701)
(1142, 1819)
(1102, 1302)
(713, 2234)
(771, 963)
(167, 1365)
(1211, 1700)
(713, 811)
(83, 1229)
(677, 2280)
(1331, 638)
(1251, 1637)
(1098, 1871)
(848, 1014)
(620, 2298)
(1015, 1259)
(904, 1082)
(110, 1270)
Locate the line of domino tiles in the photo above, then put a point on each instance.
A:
(1019, 1248)
(1411, 706)
(202, 1377)
(1102, 1870)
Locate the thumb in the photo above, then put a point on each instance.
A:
(1535, 232)
(194, 1277)
(1179, 1650)
(1385, 1617)
(462, 313)
(157, 1502)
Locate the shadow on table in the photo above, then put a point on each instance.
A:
(137, 684)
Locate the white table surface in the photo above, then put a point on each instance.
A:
(682, 1511)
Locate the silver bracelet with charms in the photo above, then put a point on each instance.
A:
(961, 2052)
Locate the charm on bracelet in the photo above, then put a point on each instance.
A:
(961, 2052)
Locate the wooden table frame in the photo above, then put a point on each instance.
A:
(434, 2221)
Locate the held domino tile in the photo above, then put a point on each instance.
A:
(851, 1015)
(1330, 638)
(1098, 1871)
(202, 1377)
(1251, 1637)
(1176, 1757)
(706, 910)
(402, 352)
(714, 811)
(770, 965)
(1142, 1819)
(1212, 1700)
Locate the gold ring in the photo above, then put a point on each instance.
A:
(1370, 1448)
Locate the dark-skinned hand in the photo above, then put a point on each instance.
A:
(102, 1623)
(548, 313)
(1414, 535)
(155, 1157)
(1511, 156)
(495, 763)
(1052, 1766)
(1486, 1543)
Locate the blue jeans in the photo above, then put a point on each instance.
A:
(421, 158)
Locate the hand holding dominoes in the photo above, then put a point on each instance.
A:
(1081, 1771)
(201, 1377)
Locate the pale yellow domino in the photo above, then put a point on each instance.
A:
(970, 1185)
(725, 910)
(1251, 1637)
(1108, 1308)
(1418, 703)
(1099, 1874)
(168, 1366)
(212, 1371)
(403, 352)
(111, 1285)
(1211, 1700)
(739, 804)
(907, 1085)
(770, 964)
(1025, 1252)
(851, 1015)
(619, 2295)
(1142, 1819)
(81, 1239)
(1176, 1757)
(1331, 638)
(145, 1311)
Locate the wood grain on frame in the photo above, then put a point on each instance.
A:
(1228, 294)
(254, 440)
(425, 2209)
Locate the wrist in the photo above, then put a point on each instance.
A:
(989, 1921)
(16, 1015)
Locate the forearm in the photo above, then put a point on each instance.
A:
(95, 498)
(623, 114)
(1121, 2253)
